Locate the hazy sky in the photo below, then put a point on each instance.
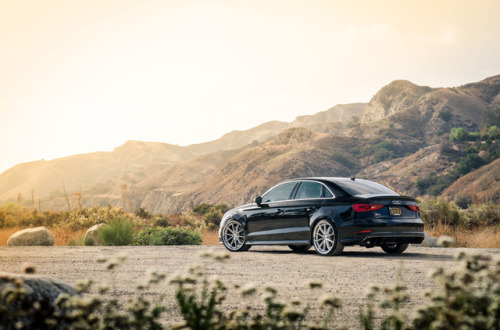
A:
(82, 75)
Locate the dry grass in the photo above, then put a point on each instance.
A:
(484, 237)
(63, 236)
(210, 237)
(5, 233)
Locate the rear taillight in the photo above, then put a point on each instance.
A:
(414, 208)
(366, 207)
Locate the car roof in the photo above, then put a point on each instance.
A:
(329, 179)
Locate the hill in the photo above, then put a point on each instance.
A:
(400, 138)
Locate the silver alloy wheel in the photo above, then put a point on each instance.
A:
(324, 237)
(233, 236)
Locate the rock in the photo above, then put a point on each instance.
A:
(430, 241)
(37, 287)
(92, 235)
(32, 237)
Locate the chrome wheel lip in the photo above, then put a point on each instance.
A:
(233, 236)
(324, 237)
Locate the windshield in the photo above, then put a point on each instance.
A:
(363, 187)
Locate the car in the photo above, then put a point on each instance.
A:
(328, 213)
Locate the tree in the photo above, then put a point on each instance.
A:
(458, 134)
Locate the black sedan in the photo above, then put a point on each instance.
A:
(329, 213)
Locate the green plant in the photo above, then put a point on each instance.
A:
(167, 236)
(445, 115)
(142, 213)
(119, 231)
(440, 211)
(469, 163)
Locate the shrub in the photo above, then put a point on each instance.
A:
(463, 202)
(167, 236)
(119, 231)
(458, 134)
(434, 184)
(161, 220)
(344, 160)
(204, 217)
(87, 218)
(142, 213)
(469, 163)
(445, 115)
(483, 215)
(439, 211)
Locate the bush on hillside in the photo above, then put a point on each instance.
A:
(344, 160)
(469, 163)
(13, 215)
(87, 218)
(478, 215)
(167, 236)
(204, 216)
(439, 211)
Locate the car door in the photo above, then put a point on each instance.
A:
(308, 199)
(265, 223)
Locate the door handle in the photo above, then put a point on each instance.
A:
(278, 211)
(310, 209)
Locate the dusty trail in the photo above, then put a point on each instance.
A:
(346, 276)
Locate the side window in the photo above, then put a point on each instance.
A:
(327, 193)
(309, 189)
(279, 193)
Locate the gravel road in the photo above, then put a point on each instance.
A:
(346, 276)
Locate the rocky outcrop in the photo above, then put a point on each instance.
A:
(38, 288)
(32, 237)
(92, 235)
(399, 95)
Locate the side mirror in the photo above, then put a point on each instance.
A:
(258, 200)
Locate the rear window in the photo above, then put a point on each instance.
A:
(362, 187)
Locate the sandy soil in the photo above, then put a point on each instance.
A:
(346, 276)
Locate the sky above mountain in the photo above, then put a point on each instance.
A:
(82, 76)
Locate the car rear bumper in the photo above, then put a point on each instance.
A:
(376, 232)
(381, 238)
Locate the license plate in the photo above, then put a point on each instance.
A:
(396, 210)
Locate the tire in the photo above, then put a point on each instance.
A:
(299, 248)
(234, 236)
(394, 248)
(325, 239)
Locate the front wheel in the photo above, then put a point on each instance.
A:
(394, 248)
(326, 239)
(234, 237)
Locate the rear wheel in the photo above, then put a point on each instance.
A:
(326, 240)
(234, 237)
(299, 248)
(394, 248)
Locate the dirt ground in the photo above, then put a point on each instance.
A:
(347, 276)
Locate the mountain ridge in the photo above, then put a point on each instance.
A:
(398, 134)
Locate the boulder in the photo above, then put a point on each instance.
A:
(31, 237)
(430, 241)
(38, 288)
(92, 235)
